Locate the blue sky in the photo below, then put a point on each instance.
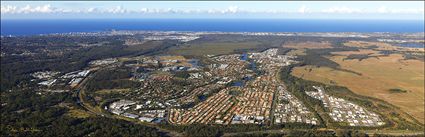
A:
(412, 10)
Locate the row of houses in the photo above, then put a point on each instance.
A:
(342, 110)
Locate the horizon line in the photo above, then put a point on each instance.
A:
(211, 19)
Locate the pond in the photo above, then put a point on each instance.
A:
(202, 97)
(238, 84)
(244, 57)
(194, 62)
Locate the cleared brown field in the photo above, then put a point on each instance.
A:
(78, 113)
(296, 52)
(307, 45)
(180, 58)
(361, 51)
(378, 76)
(381, 46)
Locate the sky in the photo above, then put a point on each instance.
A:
(385, 10)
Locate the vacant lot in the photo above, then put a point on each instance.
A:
(307, 45)
(379, 75)
(214, 48)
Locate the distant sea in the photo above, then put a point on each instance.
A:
(32, 27)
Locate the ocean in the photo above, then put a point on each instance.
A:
(46, 26)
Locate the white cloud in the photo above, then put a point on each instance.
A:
(229, 10)
(385, 10)
(342, 10)
(92, 10)
(8, 9)
(232, 9)
(154, 11)
(38, 9)
(116, 10)
(382, 9)
(303, 9)
(44, 9)
(409, 11)
(11, 9)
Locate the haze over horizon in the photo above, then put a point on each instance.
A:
(43, 17)
(213, 10)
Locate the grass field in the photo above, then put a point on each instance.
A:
(212, 48)
(296, 52)
(380, 46)
(308, 45)
(379, 75)
(109, 91)
(78, 113)
(361, 51)
(180, 58)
